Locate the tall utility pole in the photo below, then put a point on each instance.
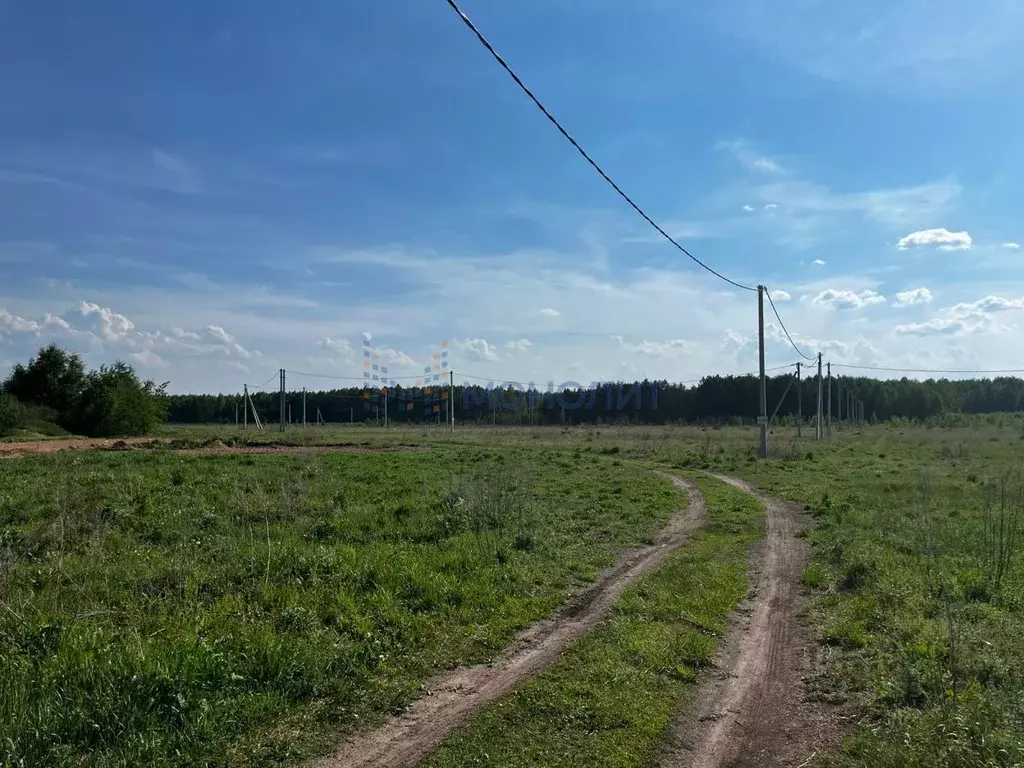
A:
(282, 399)
(828, 423)
(817, 429)
(849, 406)
(799, 402)
(385, 406)
(303, 406)
(451, 396)
(839, 399)
(762, 420)
(245, 406)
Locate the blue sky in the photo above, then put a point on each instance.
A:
(212, 192)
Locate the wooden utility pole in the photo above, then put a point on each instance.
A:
(828, 423)
(762, 420)
(799, 402)
(282, 400)
(817, 427)
(451, 396)
(245, 406)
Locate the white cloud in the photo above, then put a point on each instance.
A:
(395, 357)
(771, 206)
(339, 347)
(972, 317)
(780, 295)
(940, 326)
(750, 159)
(837, 299)
(748, 208)
(670, 348)
(148, 359)
(942, 237)
(14, 324)
(1011, 246)
(219, 334)
(93, 329)
(110, 326)
(986, 305)
(477, 349)
(548, 312)
(818, 262)
(912, 297)
(518, 345)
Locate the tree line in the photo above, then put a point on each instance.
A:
(53, 394)
(714, 399)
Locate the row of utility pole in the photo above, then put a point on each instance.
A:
(823, 420)
(286, 408)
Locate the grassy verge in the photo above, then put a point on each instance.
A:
(922, 627)
(161, 609)
(608, 700)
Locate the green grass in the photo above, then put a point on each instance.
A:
(162, 609)
(921, 646)
(925, 645)
(609, 698)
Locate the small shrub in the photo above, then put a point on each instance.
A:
(858, 574)
(12, 414)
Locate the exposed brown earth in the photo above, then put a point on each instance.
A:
(753, 709)
(456, 695)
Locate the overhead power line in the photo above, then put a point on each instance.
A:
(497, 57)
(926, 370)
(354, 378)
(783, 325)
(261, 386)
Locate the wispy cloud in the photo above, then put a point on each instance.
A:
(892, 44)
(750, 159)
(1011, 246)
(182, 175)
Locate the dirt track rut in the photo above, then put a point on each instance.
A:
(752, 710)
(457, 695)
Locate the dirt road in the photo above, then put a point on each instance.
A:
(752, 711)
(457, 695)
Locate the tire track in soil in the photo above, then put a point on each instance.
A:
(752, 710)
(455, 696)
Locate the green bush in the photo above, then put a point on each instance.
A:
(116, 402)
(61, 396)
(12, 413)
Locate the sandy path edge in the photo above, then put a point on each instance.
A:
(458, 694)
(752, 710)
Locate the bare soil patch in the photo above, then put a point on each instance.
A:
(753, 709)
(16, 449)
(455, 696)
(25, 447)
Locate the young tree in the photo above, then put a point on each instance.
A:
(54, 378)
(115, 402)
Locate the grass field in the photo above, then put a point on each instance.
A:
(612, 694)
(161, 609)
(229, 609)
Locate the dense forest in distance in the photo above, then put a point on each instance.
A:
(715, 398)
